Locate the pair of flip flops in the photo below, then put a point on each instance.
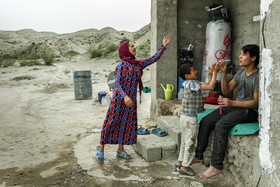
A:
(159, 132)
(143, 131)
(100, 154)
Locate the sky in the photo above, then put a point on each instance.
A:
(66, 16)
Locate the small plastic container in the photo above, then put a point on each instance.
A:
(108, 98)
(104, 101)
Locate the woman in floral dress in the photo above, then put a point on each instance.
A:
(120, 124)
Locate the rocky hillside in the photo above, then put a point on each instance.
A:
(30, 45)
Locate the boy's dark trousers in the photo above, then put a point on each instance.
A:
(221, 124)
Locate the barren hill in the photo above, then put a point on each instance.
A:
(28, 44)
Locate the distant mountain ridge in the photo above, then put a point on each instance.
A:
(16, 43)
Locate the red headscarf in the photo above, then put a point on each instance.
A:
(126, 56)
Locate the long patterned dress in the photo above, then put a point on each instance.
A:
(120, 124)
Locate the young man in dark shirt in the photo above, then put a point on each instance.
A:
(242, 110)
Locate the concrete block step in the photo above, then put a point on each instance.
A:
(170, 124)
(153, 148)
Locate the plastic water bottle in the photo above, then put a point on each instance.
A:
(108, 98)
(104, 101)
(181, 93)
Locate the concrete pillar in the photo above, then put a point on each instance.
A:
(244, 30)
(269, 151)
(163, 22)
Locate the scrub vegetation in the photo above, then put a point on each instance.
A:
(28, 47)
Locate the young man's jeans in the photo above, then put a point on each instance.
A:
(221, 124)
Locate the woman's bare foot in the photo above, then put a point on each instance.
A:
(196, 160)
(210, 172)
(121, 149)
(101, 149)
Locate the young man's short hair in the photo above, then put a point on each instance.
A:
(253, 50)
(185, 69)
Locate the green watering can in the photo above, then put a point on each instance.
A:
(168, 91)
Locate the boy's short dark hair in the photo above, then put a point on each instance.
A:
(253, 50)
(185, 69)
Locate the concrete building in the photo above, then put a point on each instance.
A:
(186, 21)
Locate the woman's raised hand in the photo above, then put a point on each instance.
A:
(166, 40)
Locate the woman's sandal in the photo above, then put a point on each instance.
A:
(99, 154)
(124, 155)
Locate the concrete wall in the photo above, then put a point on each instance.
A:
(241, 164)
(164, 22)
(244, 29)
(269, 148)
(242, 169)
(181, 19)
(192, 21)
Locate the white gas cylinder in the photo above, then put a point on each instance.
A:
(217, 46)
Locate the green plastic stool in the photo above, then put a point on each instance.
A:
(239, 129)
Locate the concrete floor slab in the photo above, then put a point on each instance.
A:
(133, 172)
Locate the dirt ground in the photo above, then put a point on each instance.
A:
(41, 122)
(47, 138)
